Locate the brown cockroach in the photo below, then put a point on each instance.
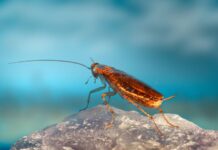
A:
(134, 91)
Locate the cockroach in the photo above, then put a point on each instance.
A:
(134, 91)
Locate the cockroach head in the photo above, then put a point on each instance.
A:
(93, 68)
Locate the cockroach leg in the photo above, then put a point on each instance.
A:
(91, 92)
(148, 115)
(109, 125)
(165, 118)
(109, 96)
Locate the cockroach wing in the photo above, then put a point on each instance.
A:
(117, 78)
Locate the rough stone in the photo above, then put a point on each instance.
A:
(87, 130)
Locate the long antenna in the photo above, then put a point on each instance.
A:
(92, 60)
(56, 60)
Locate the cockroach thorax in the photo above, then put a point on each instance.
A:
(93, 68)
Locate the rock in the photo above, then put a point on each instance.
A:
(86, 131)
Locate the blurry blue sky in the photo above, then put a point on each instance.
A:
(172, 45)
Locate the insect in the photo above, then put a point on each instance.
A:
(134, 91)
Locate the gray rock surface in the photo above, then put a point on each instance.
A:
(131, 131)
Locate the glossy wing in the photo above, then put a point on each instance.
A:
(127, 81)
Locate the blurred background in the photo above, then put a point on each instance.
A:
(171, 45)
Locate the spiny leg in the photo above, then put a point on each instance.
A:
(93, 91)
(109, 96)
(148, 115)
(165, 118)
(108, 106)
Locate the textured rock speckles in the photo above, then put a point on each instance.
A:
(86, 131)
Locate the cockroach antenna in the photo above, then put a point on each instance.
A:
(92, 60)
(55, 60)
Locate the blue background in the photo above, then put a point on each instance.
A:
(171, 45)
